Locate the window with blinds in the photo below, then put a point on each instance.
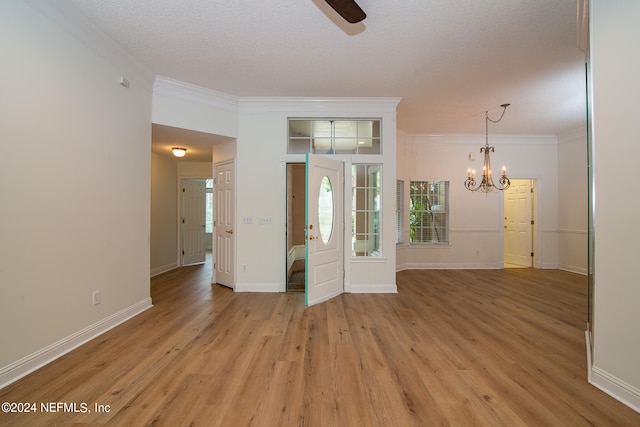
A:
(429, 211)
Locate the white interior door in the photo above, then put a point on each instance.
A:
(193, 221)
(324, 220)
(518, 227)
(224, 271)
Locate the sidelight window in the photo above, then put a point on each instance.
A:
(365, 211)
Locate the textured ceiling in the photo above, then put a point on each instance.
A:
(449, 60)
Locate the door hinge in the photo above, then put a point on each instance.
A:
(182, 252)
(531, 253)
(531, 222)
(183, 190)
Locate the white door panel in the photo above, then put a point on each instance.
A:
(324, 234)
(224, 271)
(193, 221)
(518, 227)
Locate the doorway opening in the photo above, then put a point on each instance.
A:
(296, 253)
(519, 224)
(196, 219)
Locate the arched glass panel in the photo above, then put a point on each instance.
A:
(325, 209)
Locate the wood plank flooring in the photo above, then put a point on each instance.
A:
(452, 348)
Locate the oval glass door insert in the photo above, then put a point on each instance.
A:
(325, 209)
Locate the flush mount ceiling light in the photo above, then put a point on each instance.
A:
(487, 185)
(179, 151)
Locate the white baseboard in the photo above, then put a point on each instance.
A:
(573, 269)
(449, 266)
(294, 254)
(616, 388)
(163, 269)
(34, 361)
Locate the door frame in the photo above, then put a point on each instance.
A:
(346, 199)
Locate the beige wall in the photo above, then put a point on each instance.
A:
(572, 201)
(615, 94)
(164, 214)
(75, 162)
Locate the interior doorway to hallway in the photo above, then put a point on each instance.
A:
(196, 219)
(296, 201)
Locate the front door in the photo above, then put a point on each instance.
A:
(324, 219)
(193, 221)
(224, 271)
(518, 223)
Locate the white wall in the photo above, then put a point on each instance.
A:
(164, 214)
(616, 91)
(572, 201)
(476, 220)
(261, 190)
(74, 162)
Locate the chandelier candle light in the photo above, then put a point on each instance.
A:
(487, 185)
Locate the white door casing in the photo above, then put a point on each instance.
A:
(324, 220)
(518, 226)
(193, 221)
(224, 271)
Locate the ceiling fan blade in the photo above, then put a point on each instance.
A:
(348, 9)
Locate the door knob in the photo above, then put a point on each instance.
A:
(229, 231)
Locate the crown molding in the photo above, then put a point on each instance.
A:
(71, 20)
(188, 92)
(329, 105)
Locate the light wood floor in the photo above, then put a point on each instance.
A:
(459, 348)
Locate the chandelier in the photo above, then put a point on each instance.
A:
(487, 185)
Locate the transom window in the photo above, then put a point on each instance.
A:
(334, 136)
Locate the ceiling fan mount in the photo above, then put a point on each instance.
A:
(348, 9)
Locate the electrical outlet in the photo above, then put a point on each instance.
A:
(97, 298)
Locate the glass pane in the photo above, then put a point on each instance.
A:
(299, 128)
(346, 145)
(373, 148)
(322, 145)
(325, 209)
(345, 128)
(298, 145)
